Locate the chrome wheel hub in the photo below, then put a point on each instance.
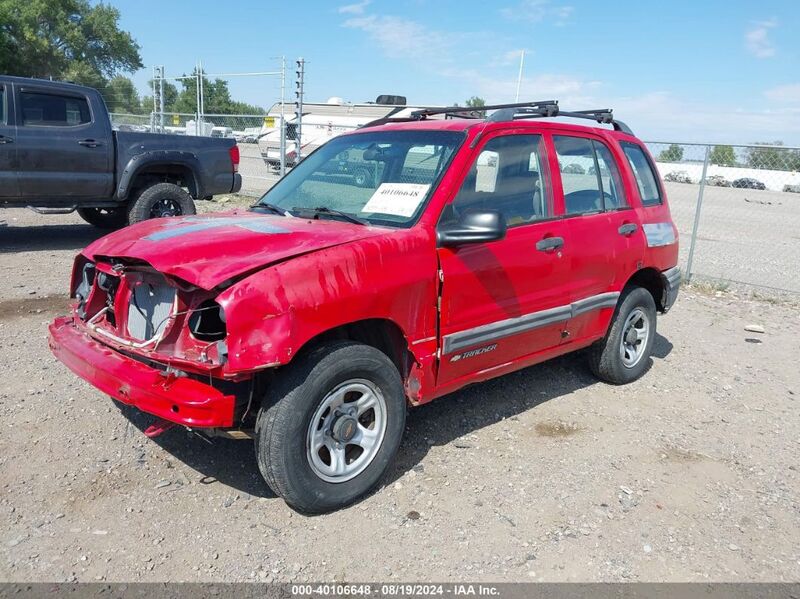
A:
(635, 333)
(346, 431)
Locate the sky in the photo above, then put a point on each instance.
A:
(675, 70)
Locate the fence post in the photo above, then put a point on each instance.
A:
(697, 214)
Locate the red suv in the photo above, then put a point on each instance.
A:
(475, 247)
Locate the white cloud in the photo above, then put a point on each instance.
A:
(354, 9)
(536, 11)
(399, 37)
(785, 93)
(476, 63)
(756, 39)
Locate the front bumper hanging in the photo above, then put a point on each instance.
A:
(179, 399)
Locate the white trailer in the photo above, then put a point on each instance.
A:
(321, 123)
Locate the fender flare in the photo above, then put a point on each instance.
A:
(160, 157)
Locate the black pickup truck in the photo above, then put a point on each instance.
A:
(58, 153)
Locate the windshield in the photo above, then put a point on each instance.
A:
(383, 177)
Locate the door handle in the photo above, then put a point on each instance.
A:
(89, 143)
(6, 140)
(549, 243)
(628, 229)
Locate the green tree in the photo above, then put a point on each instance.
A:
(775, 158)
(723, 156)
(216, 98)
(65, 39)
(476, 102)
(674, 153)
(170, 97)
(121, 96)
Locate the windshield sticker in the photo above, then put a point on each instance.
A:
(398, 199)
(193, 224)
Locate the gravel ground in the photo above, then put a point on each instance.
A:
(689, 474)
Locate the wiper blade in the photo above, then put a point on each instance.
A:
(331, 211)
(271, 207)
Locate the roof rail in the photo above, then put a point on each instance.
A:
(604, 116)
(511, 112)
(478, 111)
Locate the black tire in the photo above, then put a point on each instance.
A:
(361, 177)
(606, 356)
(284, 424)
(160, 200)
(105, 218)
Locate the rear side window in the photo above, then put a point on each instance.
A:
(589, 175)
(646, 178)
(610, 180)
(50, 110)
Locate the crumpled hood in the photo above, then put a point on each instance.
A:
(207, 250)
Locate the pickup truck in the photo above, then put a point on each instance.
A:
(59, 153)
(312, 321)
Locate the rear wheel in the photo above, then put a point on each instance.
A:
(104, 218)
(331, 426)
(623, 355)
(160, 200)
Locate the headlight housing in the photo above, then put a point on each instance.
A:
(207, 322)
(84, 287)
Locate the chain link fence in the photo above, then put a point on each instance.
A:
(737, 209)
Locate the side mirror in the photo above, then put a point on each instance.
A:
(473, 226)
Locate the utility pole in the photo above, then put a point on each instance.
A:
(161, 99)
(202, 108)
(155, 100)
(283, 116)
(298, 107)
(197, 98)
(519, 77)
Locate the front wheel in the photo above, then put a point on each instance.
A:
(362, 178)
(623, 355)
(330, 426)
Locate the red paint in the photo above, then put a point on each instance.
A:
(281, 290)
(136, 384)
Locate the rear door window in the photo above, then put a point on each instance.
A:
(589, 175)
(646, 178)
(52, 110)
(610, 181)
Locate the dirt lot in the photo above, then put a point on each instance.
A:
(546, 474)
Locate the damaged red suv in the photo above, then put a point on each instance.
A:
(392, 266)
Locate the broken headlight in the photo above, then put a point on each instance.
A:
(207, 322)
(84, 287)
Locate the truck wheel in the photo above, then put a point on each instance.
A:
(104, 218)
(361, 177)
(160, 200)
(330, 426)
(623, 355)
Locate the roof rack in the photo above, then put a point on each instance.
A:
(510, 112)
(604, 116)
(479, 111)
